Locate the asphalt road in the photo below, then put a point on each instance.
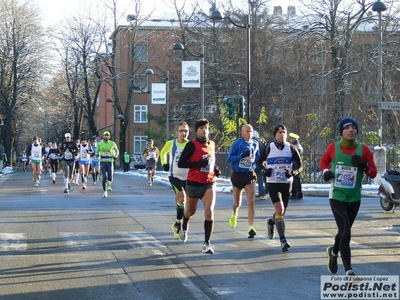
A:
(83, 246)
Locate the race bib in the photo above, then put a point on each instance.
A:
(68, 154)
(345, 176)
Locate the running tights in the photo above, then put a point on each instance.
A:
(344, 213)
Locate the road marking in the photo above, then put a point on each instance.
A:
(13, 241)
(77, 239)
(138, 239)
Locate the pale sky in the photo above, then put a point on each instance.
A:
(55, 10)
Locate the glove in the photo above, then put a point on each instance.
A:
(328, 175)
(217, 171)
(288, 174)
(165, 167)
(204, 162)
(358, 162)
(245, 153)
(268, 172)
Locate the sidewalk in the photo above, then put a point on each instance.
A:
(224, 184)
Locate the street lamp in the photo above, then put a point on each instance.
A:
(216, 17)
(166, 79)
(379, 7)
(181, 47)
(111, 101)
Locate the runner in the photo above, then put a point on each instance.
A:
(53, 158)
(279, 158)
(69, 152)
(46, 163)
(95, 163)
(177, 176)
(151, 155)
(243, 156)
(199, 156)
(24, 160)
(36, 155)
(75, 176)
(107, 151)
(85, 152)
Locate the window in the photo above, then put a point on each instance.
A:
(141, 52)
(139, 144)
(140, 84)
(140, 114)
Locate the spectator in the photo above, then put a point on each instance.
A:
(261, 178)
(127, 161)
(1, 157)
(297, 191)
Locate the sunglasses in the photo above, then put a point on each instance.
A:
(183, 130)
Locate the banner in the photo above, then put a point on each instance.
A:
(191, 74)
(158, 93)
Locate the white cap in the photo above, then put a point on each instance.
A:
(67, 135)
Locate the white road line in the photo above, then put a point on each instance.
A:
(13, 241)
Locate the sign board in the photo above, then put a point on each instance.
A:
(191, 74)
(158, 93)
(390, 105)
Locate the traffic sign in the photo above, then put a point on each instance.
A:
(390, 105)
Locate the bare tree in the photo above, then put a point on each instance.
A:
(82, 43)
(21, 52)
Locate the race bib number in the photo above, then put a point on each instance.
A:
(68, 154)
(345, 176)
(246, 162)
(210, 167)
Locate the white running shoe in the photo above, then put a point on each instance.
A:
(207, 248)
(105, 194)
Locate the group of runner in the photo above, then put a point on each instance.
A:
(77, 159)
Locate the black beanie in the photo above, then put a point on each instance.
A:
(279, 127)
(347, 122)
(199, 123)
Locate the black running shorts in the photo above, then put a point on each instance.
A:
(241, 179)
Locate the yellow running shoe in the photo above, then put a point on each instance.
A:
(232, 221)
(176, 227)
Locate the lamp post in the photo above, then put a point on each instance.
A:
(379, 152)
(166, 79)
(379, 7)
(181, 47)
(216, 17)
(111, 101)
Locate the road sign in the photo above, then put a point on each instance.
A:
(390, 105)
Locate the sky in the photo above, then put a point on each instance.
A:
(56, 10)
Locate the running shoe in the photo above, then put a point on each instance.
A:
(271, 229)
(332, 262)
(252, 232)
(66, 191)
(36, 184)
(109, 188)
(105, 194)
(232, 221)
(69, 185)
(183, 235)
(285, 245)
(176, 227)
(84, 187)
(264, 197)
(207, 248)
(54, 182)
(150, 183)
(350, 273)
